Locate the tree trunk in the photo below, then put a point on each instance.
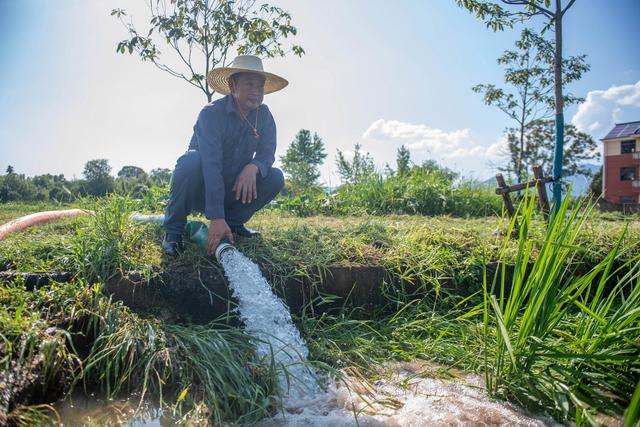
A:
(557, 68)
(521, 167)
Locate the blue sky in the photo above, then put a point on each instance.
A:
(376, 72)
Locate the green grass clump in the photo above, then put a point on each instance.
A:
(422, 191)
(565, 342)
(94, 246)
(99, 343)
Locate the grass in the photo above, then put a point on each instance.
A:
(565, 342)
(552, 318)
(99, 343)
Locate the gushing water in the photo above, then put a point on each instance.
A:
(268, 321)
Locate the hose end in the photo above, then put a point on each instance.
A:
(222, 248)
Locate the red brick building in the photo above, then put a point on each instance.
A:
(621, 174)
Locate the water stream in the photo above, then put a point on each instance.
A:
(268, 321)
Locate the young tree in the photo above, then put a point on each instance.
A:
(528, 95)
(10, 170)
(97, 173)
(497, 17)
(201, 34)
(403, 158)
(359, 168)
(302, 159)
(579, 147)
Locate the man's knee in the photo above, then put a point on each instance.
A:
(276, 180)
(189, 163)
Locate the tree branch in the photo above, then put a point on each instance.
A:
(532, 5)
(567, 7)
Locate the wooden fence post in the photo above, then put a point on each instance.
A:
(543, 200)
(505, 195)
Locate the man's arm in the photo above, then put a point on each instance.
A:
(266, 149)
(208, 131)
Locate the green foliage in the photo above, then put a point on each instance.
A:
(529, 96)
(17, 187)
(595, 187)
(301, 161)
(104, 246)
(360, 168)
(562, 341)
(214, 363)
(403, 160)
(132, 172)
(539, 140)
(202, 33)
(97, 173)
(160, 176)
(424, 190)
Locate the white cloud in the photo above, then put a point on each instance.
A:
(602, 108)
(455, 149)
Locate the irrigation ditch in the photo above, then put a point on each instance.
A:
(200, 294)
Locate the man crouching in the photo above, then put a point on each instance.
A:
(226, 172)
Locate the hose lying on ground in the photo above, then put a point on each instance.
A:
(195, 230)
(38, 218)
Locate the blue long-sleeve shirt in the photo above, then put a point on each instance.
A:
(227, 144)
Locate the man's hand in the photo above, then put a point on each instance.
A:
(245, 185)
(218, 230)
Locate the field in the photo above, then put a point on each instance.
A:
(549, 315)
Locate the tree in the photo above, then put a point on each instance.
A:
(579, 147)
(595, 187)
(528, 76)
(302, 159)
(496, 17)
(202, 32)
(10, 170)
(17, 187)
(403, 158)
(160, 176)
(359, 168)
(97, 173)
(132, 172)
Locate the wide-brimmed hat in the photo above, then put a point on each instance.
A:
(218, 78)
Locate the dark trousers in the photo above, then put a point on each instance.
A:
(187, 194)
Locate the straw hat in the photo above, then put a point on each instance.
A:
(218, 78)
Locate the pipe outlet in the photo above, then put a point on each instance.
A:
(222, 248)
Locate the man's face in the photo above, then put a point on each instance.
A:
(248, 90)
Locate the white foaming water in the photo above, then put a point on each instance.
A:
(408, 398)
(268, 320)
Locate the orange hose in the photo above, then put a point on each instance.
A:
(27, 221)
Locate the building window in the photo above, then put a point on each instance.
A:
(628, 173)
(628, 146)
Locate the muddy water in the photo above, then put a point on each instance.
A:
(80, 410)
(412, 394)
